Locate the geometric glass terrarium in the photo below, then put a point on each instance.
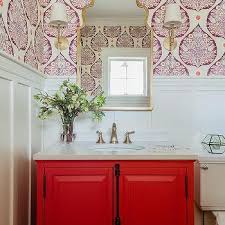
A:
(214, 143)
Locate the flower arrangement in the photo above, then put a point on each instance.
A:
(69, 102)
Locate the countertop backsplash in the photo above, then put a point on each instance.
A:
(184, 111)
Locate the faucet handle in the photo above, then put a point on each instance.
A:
(127, 137)
(100, 137)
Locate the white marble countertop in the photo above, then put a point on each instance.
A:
(151, 151)
(87, 151)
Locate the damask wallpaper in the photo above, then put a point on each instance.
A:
(94, 38)
(16, 33)
(25, 34)
(201, 38)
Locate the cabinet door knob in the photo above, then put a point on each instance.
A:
(204, 167)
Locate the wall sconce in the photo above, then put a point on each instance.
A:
(172, 21)
(59, 20)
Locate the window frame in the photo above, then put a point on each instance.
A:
(129, 59)
(120, 102)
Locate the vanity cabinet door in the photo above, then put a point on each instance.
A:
(153, 196)
(212, 186)
(78, 196)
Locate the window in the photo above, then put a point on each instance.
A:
(126, 78)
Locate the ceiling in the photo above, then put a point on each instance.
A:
(115, 9)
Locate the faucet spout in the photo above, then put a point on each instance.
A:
(114, 139)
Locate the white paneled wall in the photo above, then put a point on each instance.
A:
(21, 154)
(20, 137)
(5, 149)
(183, 110)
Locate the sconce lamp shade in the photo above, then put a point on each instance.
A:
(173, 16)
(58, 15)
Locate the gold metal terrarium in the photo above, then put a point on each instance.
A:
(214, 143)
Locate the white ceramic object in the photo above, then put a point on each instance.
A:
(116, 147)
(138, 151)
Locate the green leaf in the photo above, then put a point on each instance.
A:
(69, 101)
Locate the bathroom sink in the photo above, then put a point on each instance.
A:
(116, 147)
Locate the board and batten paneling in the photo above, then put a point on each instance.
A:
(20, 138)
(5, 148)
(22, 152)
(36, 146)
(183, 110)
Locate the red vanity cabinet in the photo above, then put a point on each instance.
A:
(115, 192)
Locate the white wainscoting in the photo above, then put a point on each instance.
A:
(184, 109)
(20, 138)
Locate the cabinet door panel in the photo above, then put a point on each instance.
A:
(212, 186)
(77, 196)
(153, 196)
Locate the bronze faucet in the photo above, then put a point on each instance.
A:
(100, 138)
(127, 137)
(114, 139)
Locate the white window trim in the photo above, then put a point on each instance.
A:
(143, 59)
(138, 103)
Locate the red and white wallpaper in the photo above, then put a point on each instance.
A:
(25, 34)
(94, 38)
(17, 25)
(201, 38)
